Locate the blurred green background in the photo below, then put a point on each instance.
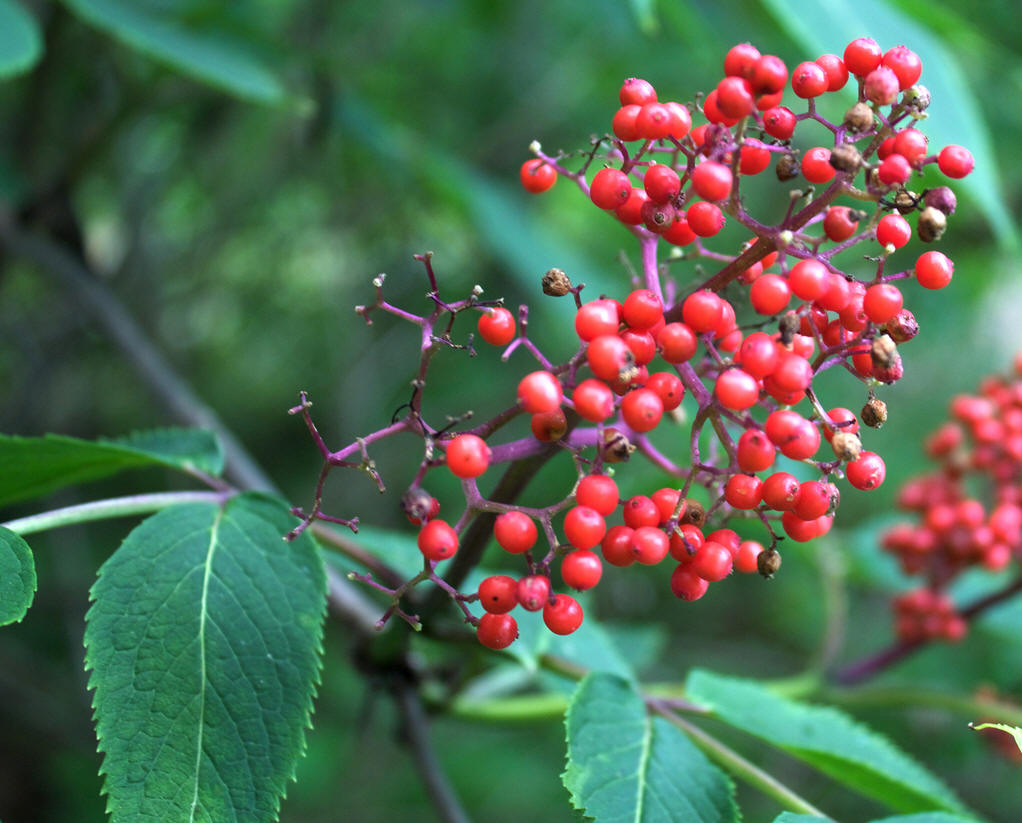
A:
(239, 209)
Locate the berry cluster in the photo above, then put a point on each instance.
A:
(733, 357)
(979, 452)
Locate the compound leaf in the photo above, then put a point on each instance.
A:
(203, 642)
(17, 577)
(825, 738)
(624, 765)
(20, 43)
(205, 53)
(33, 466)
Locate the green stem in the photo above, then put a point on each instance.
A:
(739, 767)
(974, 708)
(516, 709)
(105, 509)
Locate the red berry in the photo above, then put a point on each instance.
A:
(736, 389)
(746, 558)
(911, 144)
(866, 473)
(549, 426)
(705, 219)
(617, 546)
(754, 157)
(539, 392)
(679, 233)
(643, 309)
(597, 317)
(955, 161)
(779, 122)
(631, 212)
(623, 123)
(677, 341)
(841, 416)
(758, 354)
(740, 60)
(534, 592)
(813, 500)
(610, 188)
(770, 294)
(906, 65)
(702, 311)
(666, 501)
(642, 409)
(497, 631)
(584, 527)
(640, 510)
(934, 270)
(780, 491)
(712, 561)
(661, 182)
(795, 436)
(809, 80)
(711, 181)
(668, 387)
(816, 167)
(837, 72)
(685, 542)
(894, 170)
(608, 356)
(635, 91)
(659, 218)
(882, 302)
(498, 594)
(653, 121)
(649, 545)
(862, 56)
(713, 113)
(769, 74)
(437, 540)
(686, 584)
(793, 373)
(515, 532)
(801, 530)
(755, 451)
(734, 97)
(581, 569)
(838, 225)
(497, 326)
(809, 279)
(743, 491)
(537, 176)
(594, 401)
(467, 456)
(598, 492)
(562, 614)
(681, 120)
(836, 297)
(893, 230)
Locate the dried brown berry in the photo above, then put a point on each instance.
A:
(417, 503)
(694, 514)
(931, 224)
(874, 413)
(556, 283)
(768, 562)
(906, 201)
(787, 167)
(616, 448)
(788, 326)
(917, 97)
(883, 351)
(903, 326)
(847, 446)
(859, 118)
(846, 158)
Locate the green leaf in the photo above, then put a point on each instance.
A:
(825, 738)
(791, 817)
(17, 577)
(203, 642)
(624, 765)
(954, 116)
(21, 46)
(207, 54)
(1014, 731)
(34, 466)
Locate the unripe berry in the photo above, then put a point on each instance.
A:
(881, 86)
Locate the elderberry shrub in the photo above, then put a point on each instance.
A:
(969, 510)
(744, 362)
